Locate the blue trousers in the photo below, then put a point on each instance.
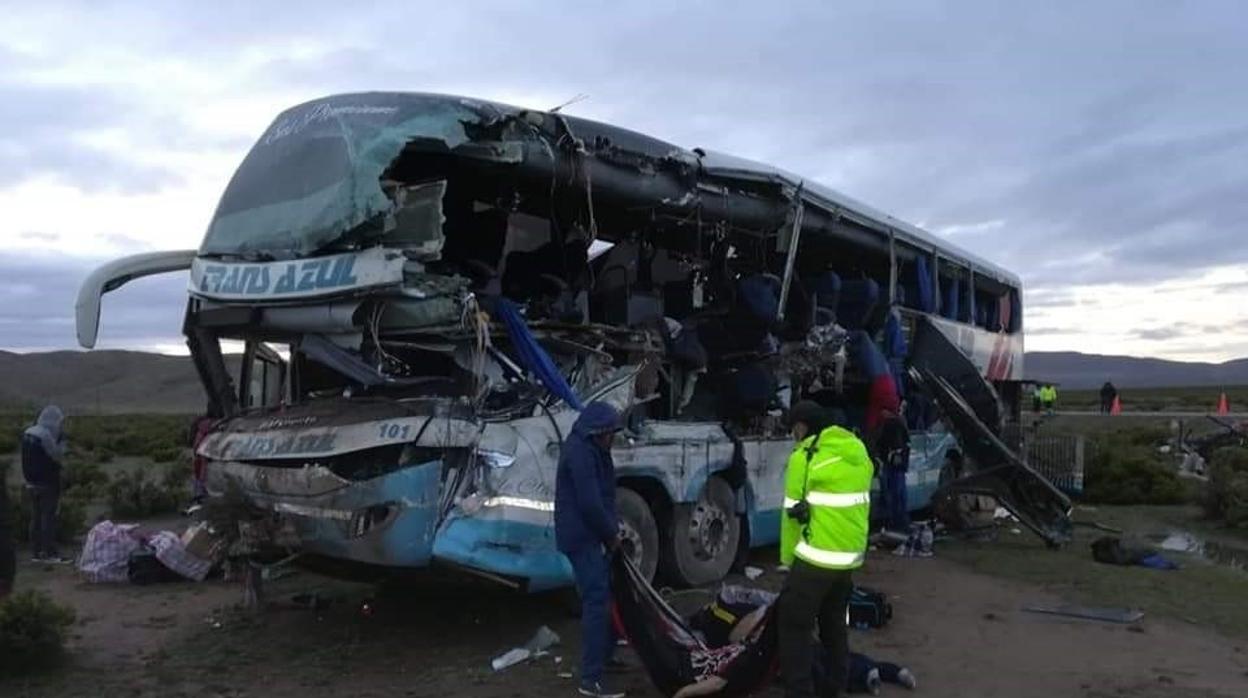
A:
(894, 485)
(592, 570)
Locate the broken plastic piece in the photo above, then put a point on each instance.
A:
(753, 573)
(510, 658)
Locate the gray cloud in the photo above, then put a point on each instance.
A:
(38, 307)
(1111, 151)
(38, 130)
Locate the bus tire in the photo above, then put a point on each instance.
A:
(703, 537)
(638, 531)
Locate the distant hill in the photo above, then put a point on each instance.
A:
(113, 382)
(1075, 370)
(101, 382)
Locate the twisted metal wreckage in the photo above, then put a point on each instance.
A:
(452, 278)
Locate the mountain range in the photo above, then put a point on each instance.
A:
(138, 382)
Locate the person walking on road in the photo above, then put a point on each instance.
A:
(1108, 393)
(587, 533)
(1048, 395)
(43, 450)
(823, 538)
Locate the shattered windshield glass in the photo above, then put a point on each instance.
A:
(314, 174)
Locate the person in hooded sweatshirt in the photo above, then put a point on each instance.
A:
(43, 449)
(587, 533)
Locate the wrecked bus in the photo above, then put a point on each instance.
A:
(425, 289)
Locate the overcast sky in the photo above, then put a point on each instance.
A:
(1098, 151)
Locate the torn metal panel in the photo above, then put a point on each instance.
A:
(389, 520)
(324, 440)
(998, 472)
(415, 223)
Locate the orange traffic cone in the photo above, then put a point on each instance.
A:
(1116, 408)
(1224, 408)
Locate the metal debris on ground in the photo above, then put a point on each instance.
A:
(1111, 615)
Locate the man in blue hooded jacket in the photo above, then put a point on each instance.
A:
(43, 449)
(587, 532)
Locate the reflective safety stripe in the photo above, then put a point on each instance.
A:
(789, 502)
(826, 461)
(838, 499)
(829, 558)
(519, 502)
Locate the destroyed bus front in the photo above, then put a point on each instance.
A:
(426, 288)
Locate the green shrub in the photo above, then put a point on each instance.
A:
(85, 479)
(1226, 493)
(134, 495)
(33, 629)
(1125, 468)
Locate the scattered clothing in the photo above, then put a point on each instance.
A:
(172, 554)
(106, 553)
(918, 543)
(1111, 550)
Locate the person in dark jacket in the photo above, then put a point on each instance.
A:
(890, 447)
(43, 449)
(587, 532)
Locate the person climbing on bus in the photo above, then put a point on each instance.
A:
(823, 538)
(587, 533)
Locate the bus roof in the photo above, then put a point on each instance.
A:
(829, 199)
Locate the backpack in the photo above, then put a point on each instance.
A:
(869, 608)
(144, 569)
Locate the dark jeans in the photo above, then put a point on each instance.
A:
(44, 503)
(592, 570)
(860, 665)
(812, 593)
(893, 486)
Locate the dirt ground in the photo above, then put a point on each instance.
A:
(963, 633)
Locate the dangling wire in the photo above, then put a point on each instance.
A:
(474, 319)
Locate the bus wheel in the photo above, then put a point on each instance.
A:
(703, 538)
(638, 532)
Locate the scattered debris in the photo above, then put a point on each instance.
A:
(752, 573)
(537, 646)
(1111, 615)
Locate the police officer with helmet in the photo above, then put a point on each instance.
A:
(823, 538)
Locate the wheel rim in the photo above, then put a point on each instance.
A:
(708, 530)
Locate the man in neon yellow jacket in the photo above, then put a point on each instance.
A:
(823, 538)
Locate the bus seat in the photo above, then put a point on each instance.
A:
(950, 307)
(926, 299)
(858, 299)
(827, 289)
